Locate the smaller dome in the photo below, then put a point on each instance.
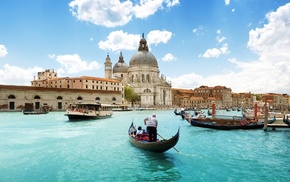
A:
(120, 66)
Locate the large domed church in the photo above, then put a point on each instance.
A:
(142, 74)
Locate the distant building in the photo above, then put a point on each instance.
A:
(202, 97)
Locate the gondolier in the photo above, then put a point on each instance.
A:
(151, 123)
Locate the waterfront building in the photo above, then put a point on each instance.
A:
(243, 100)
(276, 101)
(49, 79)
(13, 98)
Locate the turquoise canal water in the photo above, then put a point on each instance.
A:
(49, 148)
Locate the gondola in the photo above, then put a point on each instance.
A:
(234, 123)
(176, 112)
(157, 147)
(226, 126)
(286, 119)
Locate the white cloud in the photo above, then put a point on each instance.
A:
(210, 53)
(273, 40)
(225, 49)
(3, 51)
(74, 64)
(168, 57)
(119, 40)
(147, 8)
(112, 13)
(198, 30)
(12, 75)
(109, 13)
(157, 36)
(221, 39)
(215, 52)
(51, 56)
(187, 81)
(172, 3)
(227, 2)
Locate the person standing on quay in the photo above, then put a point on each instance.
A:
(151, 123)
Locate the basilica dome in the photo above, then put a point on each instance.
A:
(143, 56)
(120, 66)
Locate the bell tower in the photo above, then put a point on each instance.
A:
(108, 67)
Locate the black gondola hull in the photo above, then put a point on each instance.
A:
(156, 147)
(213, 125)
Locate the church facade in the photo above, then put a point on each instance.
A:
(143, 76)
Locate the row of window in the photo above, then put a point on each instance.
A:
(59, 98)
(144, 78)
(13, 97)
(202, 91)
(112, 83)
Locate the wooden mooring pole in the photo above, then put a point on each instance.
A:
(265, 117)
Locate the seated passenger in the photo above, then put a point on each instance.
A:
(139, 131)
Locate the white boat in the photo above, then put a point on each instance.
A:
(86, 111)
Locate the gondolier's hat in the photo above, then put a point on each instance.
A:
(154, 115)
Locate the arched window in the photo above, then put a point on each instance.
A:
(147, 90)
(113, 99)
(79, 98)
(98, 98)
(59, 98)
(37, 97)
(11, 97)
(143, 78)
(147, 78)
(132, 78)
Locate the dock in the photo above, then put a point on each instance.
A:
(280, 126)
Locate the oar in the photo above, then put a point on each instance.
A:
(164, 139)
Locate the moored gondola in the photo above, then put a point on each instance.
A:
(176, 112)
(158, 147)
(229, 126)
(234, 123)
(286, 119)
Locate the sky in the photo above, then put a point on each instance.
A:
(240, 44)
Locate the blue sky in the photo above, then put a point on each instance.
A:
(240, 44)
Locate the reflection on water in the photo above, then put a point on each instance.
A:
(158, 167)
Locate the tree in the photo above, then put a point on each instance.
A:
(131, 96)
(258, 97)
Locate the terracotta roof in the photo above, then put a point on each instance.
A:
(14, 87)
(182, 90)
(83, 78)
